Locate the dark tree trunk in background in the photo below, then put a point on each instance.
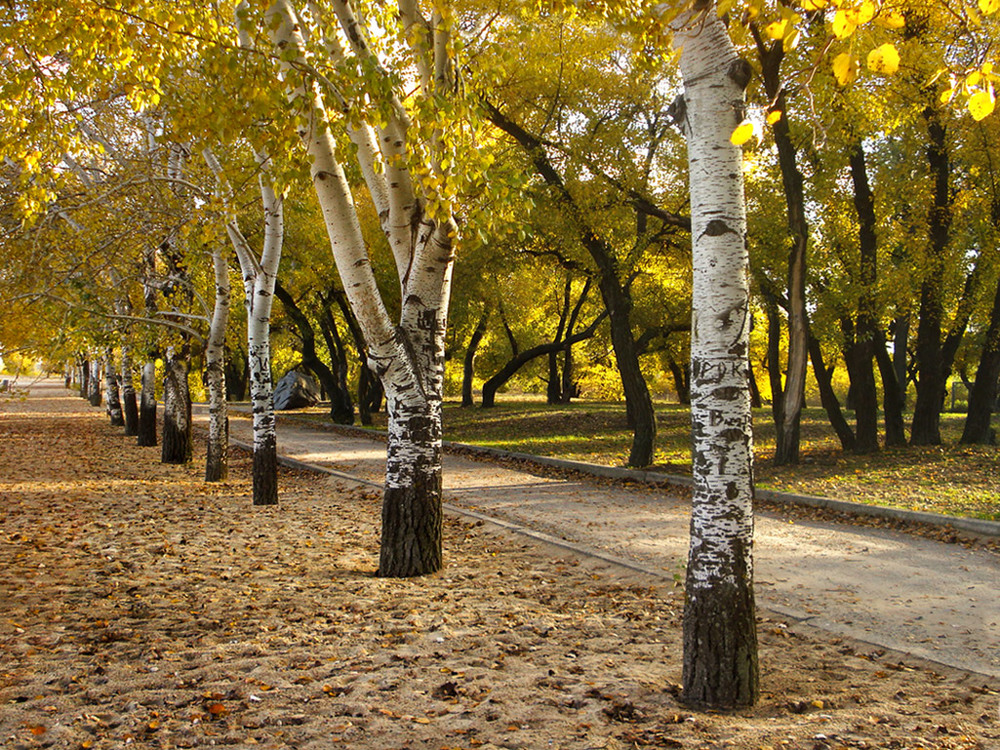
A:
(237, 374)
(615, 294)
(789, 407)
(491, 386)
(983, 396)
(130, 408)
(341, 408)
(926, 428)
(177, 447)
(828, 398)
(94, 383)
(681, 374)
(755, 400)
(774, 358)
(893, 398)
(468, 361)
(861, 337)
(84, 366)
(370, 391)
(146, 435)
(341, 404)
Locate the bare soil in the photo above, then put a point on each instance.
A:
(144, 607)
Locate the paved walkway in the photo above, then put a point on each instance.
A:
(933, 600)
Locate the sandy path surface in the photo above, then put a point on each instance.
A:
(931, 599)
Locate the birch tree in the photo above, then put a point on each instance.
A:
(402, 134)
(720, 641)
(259, 275)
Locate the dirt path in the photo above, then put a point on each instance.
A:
(143, 607)
(931, 599)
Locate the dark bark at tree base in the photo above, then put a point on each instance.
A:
(265, 473)
(177, 445)
(721, 670)
(892, 396)
(217, 459)
(146, 428)
(130, 411)
(411, 528)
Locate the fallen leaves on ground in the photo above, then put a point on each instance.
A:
(144, 607)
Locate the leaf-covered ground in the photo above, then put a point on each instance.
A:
(145, 608)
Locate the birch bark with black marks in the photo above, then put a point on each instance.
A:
(112, 394)
(720, 641)
(130, 409)
(217, 456)
(408, 356)
(178, 446)
(259, 276)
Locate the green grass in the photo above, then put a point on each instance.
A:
(950, 479)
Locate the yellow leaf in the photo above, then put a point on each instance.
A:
(891, 19)
(947, 95)
(773, 117)
(973, 78)
(866, 12)
(742, 134)
(989, 7)
(884, 60)
(813, 4)
(842, 26)
(844, 68)
(981, 105)
(776, 30)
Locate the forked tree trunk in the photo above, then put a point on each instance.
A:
(130, 409)
(720, 637)
(408, 356)
(177, 447)
(217, 456)
(111, 392)
(146, 435)
(258, 286)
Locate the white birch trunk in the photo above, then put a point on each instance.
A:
(720, 647)
(111, 393)
(408, 357)
(94, 393)
(258, 284)
(176, 447)
(217, 459)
